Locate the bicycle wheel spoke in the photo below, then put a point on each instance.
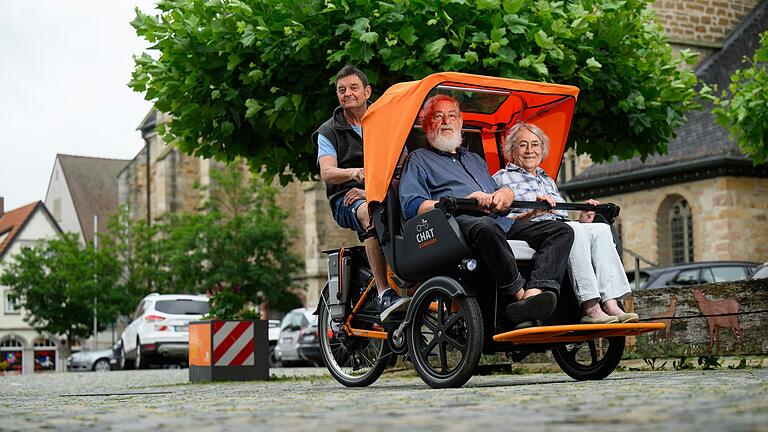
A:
(440, 310)
(443, 357)
(367, 360)
(452, 320)
(573, 351)
(455, 343)
(592, 352)
(428, 349)
(432, 325)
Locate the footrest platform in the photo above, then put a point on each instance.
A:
(574, 332)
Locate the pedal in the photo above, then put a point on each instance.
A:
(393, 320)
(389, 314)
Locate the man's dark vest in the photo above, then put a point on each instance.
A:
(349, 151)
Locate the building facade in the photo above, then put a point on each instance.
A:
(22, 348)
(82, 193)
(703, 200)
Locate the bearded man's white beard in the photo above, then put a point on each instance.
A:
(445, 143)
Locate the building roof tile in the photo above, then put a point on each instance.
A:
(92, 182)
(12, 222)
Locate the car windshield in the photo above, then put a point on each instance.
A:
(643, 280)
(183, 307)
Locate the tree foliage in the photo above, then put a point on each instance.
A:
(237, 250)
(251, 77)
(745, 113)
(146, 258)
(57, 281)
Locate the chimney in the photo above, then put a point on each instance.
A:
(2, 206)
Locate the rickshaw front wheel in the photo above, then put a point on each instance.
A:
(445, 338)
(592, 360)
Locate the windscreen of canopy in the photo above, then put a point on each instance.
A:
(489, 106)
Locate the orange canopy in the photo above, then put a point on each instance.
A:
(389, 120)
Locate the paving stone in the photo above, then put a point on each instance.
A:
(310, 400)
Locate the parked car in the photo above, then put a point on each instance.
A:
(274, 335)
(761, 272)
(159, 330)
(693, 273)
(299, 342)
(98, 361)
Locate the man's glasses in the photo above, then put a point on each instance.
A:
(440, 115)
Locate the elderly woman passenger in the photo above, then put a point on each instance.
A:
(595, 265)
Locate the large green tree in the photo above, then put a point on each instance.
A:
(238, 249)
(146, 257)
(57, 281)
(743, 108)
(252, 77)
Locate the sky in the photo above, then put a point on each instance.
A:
(64, 66)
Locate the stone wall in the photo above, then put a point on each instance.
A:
(729, 219)
(321, 233)
(701, 22)
(739, 308)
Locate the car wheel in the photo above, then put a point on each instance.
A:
(142, 360)
(101, 365)
(125, 363)
(272, 359)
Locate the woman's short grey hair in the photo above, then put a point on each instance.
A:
(515, 130)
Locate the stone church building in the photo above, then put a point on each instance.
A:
(702, 201)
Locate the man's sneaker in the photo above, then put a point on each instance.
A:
(390, 302)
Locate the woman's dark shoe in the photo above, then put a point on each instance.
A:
(533, 308)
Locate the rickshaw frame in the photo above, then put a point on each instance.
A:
(387, 127)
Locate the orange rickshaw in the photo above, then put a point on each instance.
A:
(454, 313)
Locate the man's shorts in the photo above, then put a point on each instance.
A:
(346, 216)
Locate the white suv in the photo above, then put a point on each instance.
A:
(159, 329)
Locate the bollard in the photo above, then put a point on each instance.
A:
(228, 350)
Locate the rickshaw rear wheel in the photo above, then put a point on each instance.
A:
(445, 338)
(352, 361)
(588, 360)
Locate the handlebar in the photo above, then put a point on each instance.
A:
(453, 205)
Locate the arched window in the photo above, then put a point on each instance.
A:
(674, 223)
(681, 230)
(12, 353)
(45, 354)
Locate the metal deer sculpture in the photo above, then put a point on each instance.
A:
(721, 313)
(666, 318)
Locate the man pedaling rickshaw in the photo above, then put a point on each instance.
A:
(339, 142)
(445, 168)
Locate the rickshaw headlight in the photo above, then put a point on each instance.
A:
(468, 264)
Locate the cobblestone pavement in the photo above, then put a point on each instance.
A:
(309, 400)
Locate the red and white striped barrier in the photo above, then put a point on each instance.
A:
(233, 343)
(228, 350)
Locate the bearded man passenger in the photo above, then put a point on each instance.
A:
(445, 168)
